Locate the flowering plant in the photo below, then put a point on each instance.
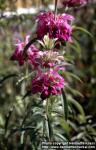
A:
(47, 62)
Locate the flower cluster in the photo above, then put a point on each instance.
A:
(74, 3)
(49, 61)
(48, 83)
(57, 26)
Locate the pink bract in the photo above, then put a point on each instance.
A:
(51, 58)
(57, 26)
(49, 83)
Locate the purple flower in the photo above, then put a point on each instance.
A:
(49, 83)
(74, 3)
(32, 53)
(57, 26)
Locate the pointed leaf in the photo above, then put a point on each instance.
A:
(48, 128)
(7, 77)
(66, 74)
(65, 105)
(78, 106)
(83, 30)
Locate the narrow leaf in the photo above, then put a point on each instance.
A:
(48, 128)
(8, 118)
(65, 105)
(7, 77)
(66, 74)
(65, 126)
(73, 91)
(78, 106)
(28, 93)
(60, 136)
(83, 30)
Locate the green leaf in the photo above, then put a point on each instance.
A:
(78, 106)
(48, 128)
(8, 116)
(83, 30)
(66, 74)
(22, 137)
(65, 125)
(73, 125)
(24, 78)
(7, 77)
(69, 58)
(60, 136)
(28, 93)
(79, 136)
(73, 91)
(65, 105)
(75, 46)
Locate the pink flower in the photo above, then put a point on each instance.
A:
(34, 57)
(74, 3)
(48, 83)
(57, 26)
(18, 53)
(32, 53)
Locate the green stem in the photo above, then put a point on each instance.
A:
(48, 126)
(24, 78)
(47, 104)
(56, 7)
(26, 73)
